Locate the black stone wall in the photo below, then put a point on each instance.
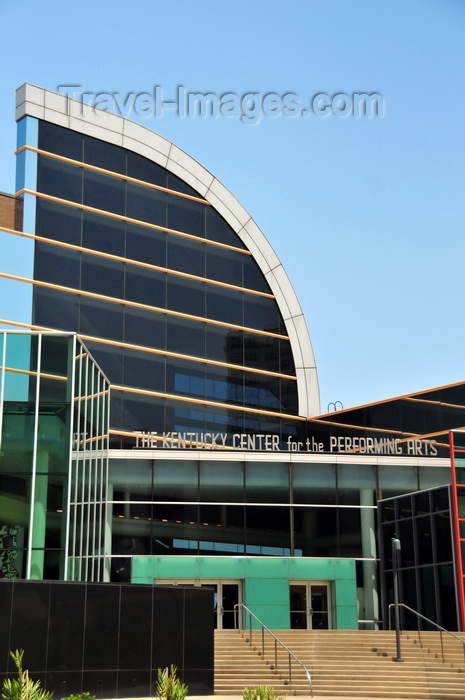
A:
(107, 639)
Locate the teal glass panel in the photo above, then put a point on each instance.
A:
(20, 349)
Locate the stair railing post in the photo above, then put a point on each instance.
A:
(250, 627)
(442, 646)
(395, 549)
(263, 641)
(275, 654)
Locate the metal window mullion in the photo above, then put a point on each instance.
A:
(34, 457)
(71, 380)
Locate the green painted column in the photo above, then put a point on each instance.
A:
(39, 517)
(370, 592)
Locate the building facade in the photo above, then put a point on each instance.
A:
(222, 471)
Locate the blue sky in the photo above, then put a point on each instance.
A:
(367, 215)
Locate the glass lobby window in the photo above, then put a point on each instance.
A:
(56, 265)
(104, 192)
(267, 531)
(224, 265)
(102, 276)
(102, 233)
(395, 480)
(186, 255)
(350, 532)
(58, 221)
(54, 363)
(314, 483)
(57, 139)
(146, 244)
(104, 155)
(267, 482)
(352, 479)
(222, 481)
(316, 531)
(59, 179)
(175, 480)
(146, 204)
(145, 286)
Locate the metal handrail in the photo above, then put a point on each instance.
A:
(431, 622)
(264, 629)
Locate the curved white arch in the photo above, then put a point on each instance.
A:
(59, 109)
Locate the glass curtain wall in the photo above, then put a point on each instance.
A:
(43, 405)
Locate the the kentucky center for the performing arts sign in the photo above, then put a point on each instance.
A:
(263, 442)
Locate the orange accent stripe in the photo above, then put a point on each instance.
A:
(137, 222)
(112, 173)
(157, 309)
(155, 351)
(29, 373)
(204, 402)
(120, 258)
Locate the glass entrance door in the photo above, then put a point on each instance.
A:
(310, 606)
(226, 595)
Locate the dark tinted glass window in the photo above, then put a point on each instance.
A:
(146, 204)
(186, 215)
(141, 412)
(185, 336)
(59, 179)
(224, 265)
(225, 344)
(56, 265)
(175, 183)
(186, 295)
(253, 276)
(219, 230)
(57, 139)
(104, 192)
(146, 245)
(144, 370)
(142, 327)
(145, 286)
(225, 305)
(143, 169)
(224, 385)
(58, 221)
(101, 318)
(102, 276)
(186, 256)
(262, 352)
(104, 155)
(261, 313)
(104, 234)
(55, 309)
(109, 358)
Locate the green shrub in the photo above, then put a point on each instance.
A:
(262, 692)
(169, 687)
(80, 696)
(22, 688)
